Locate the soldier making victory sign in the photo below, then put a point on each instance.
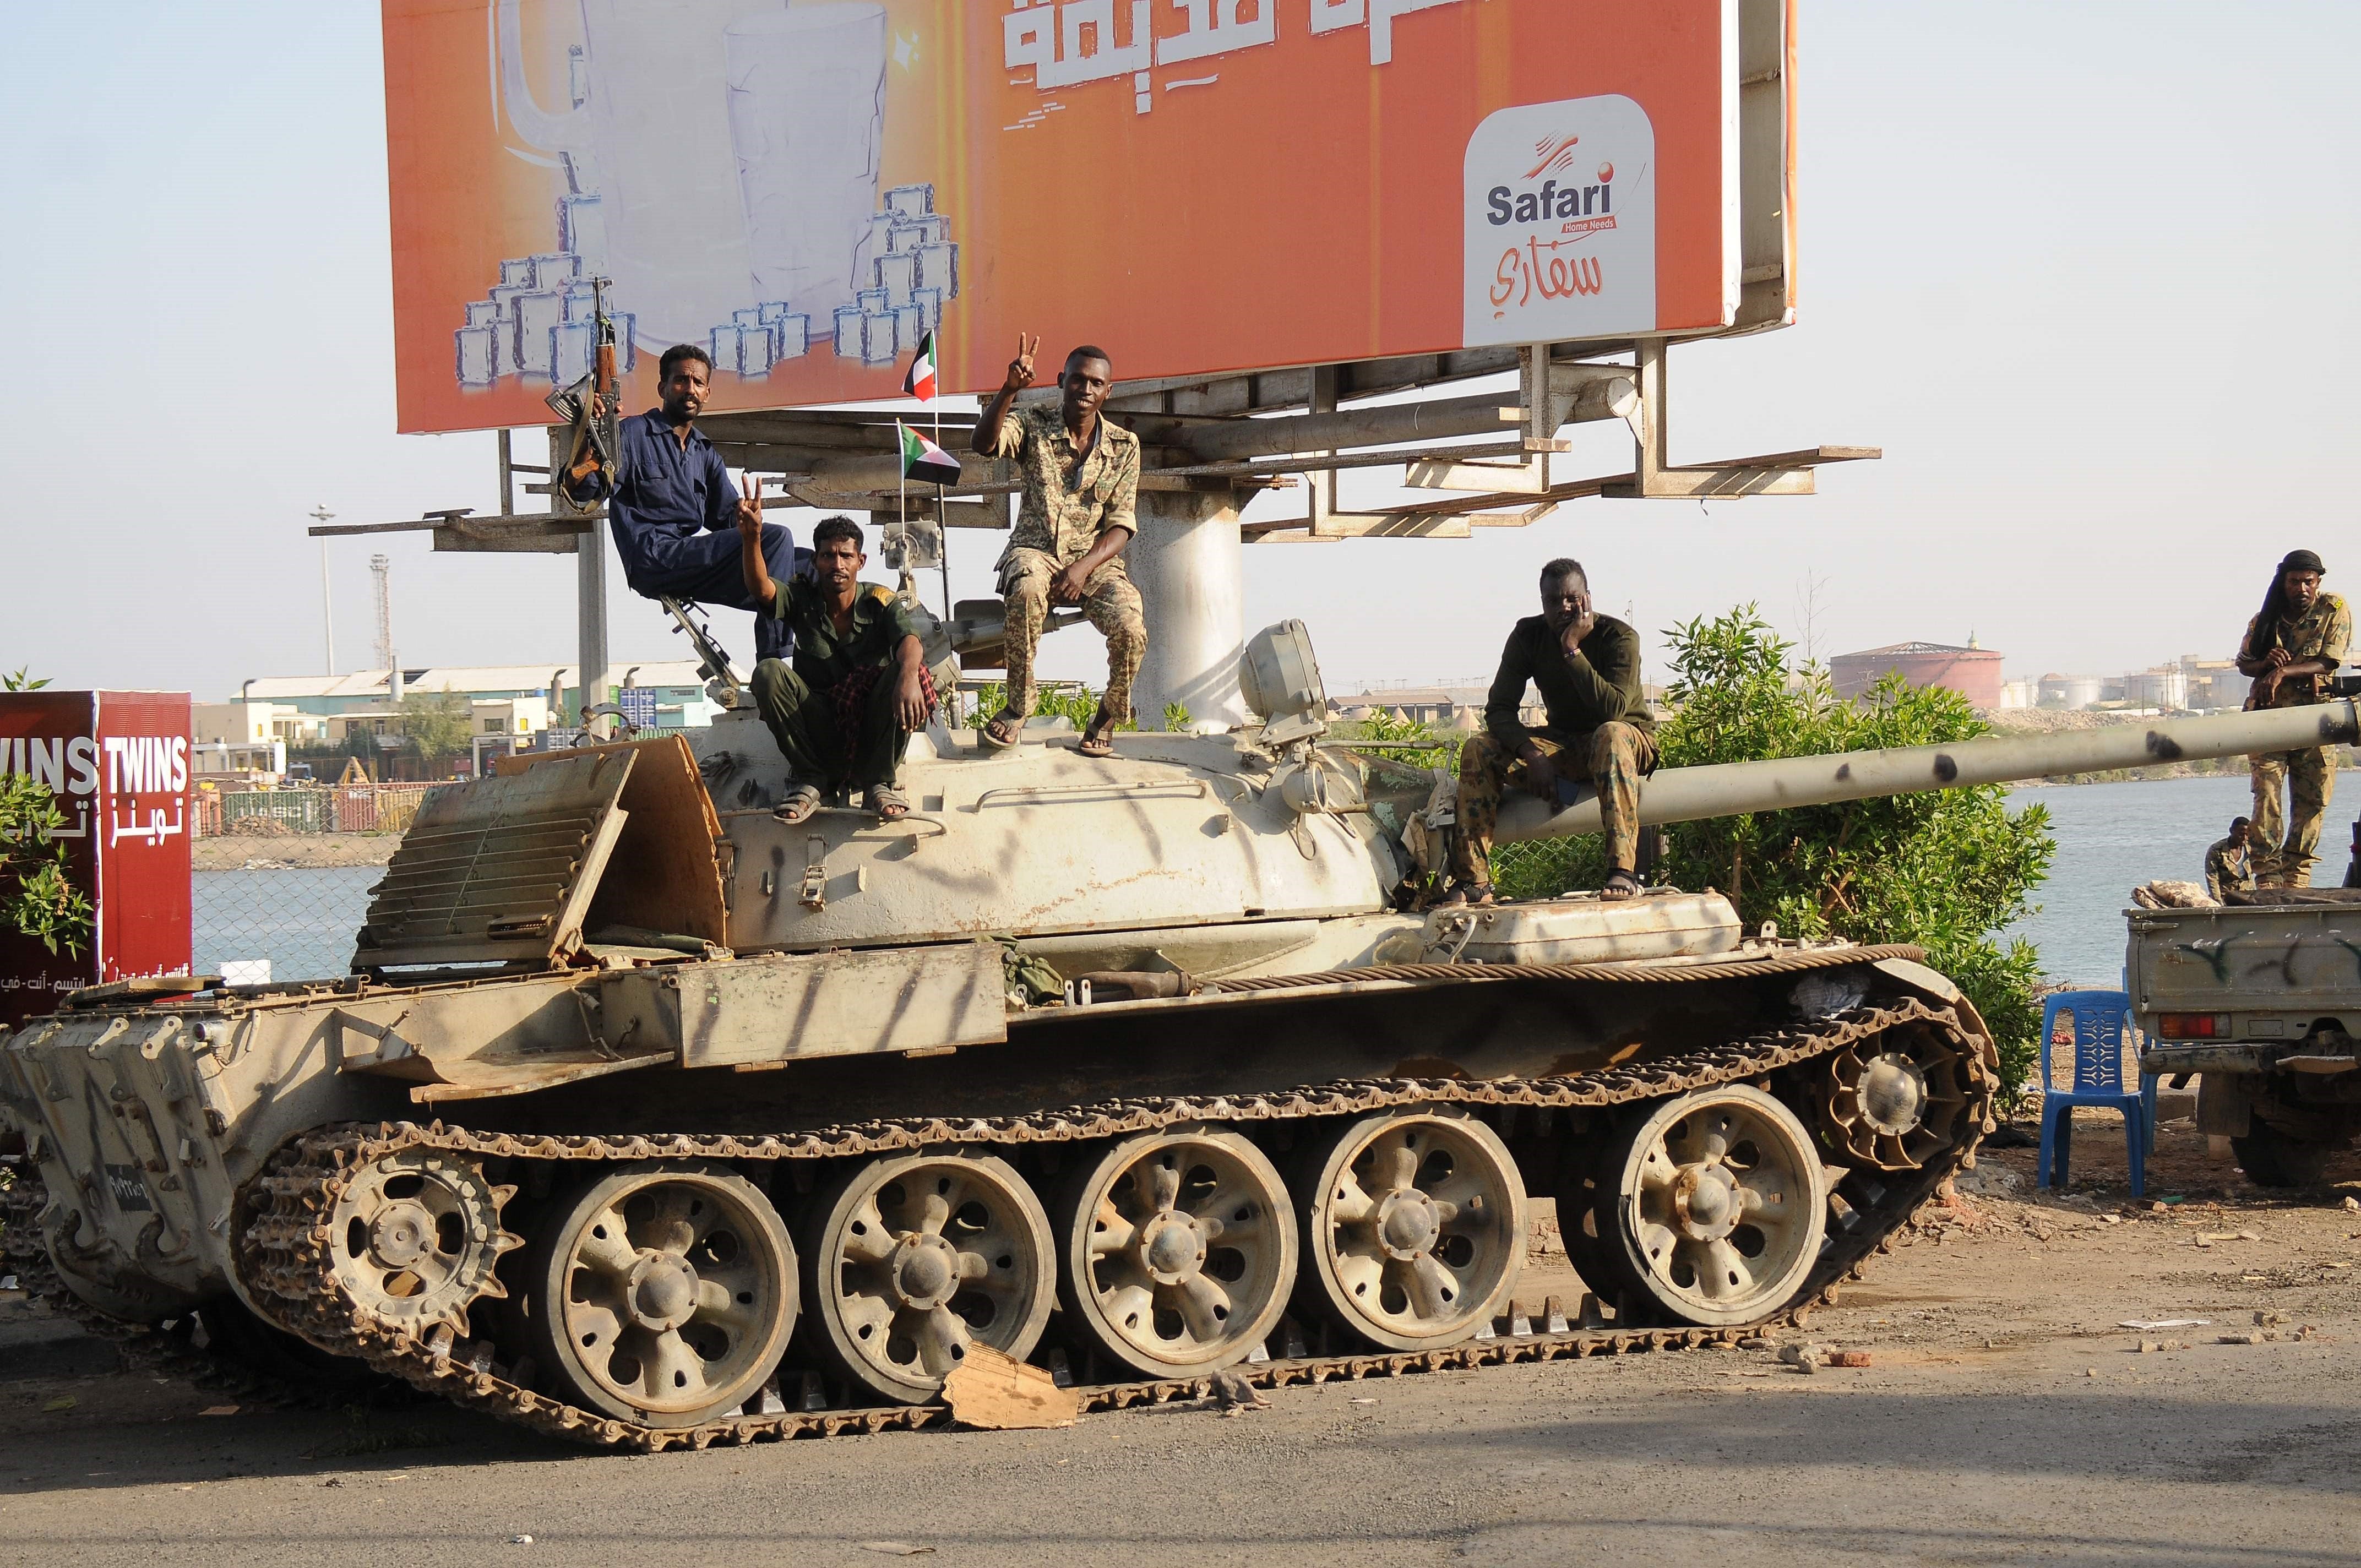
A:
(2294, 643)
(1081, 476)
(844, 711)
(1600, 730)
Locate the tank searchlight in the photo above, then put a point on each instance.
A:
(1279, 678)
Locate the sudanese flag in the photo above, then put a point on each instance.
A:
(925, 462)
(921, 382)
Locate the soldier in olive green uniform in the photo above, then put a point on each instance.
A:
(1600, 730)
(2297, 640)
(844, 711)
(2229, 864)
(1080, 475)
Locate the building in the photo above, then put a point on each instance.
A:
(300, 708)
(1972, 672)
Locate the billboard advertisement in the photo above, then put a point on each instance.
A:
(805, 190)
(117, 763)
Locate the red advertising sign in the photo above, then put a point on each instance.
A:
(118, 764)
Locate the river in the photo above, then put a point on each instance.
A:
(2111, 837)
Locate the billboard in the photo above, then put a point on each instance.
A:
(118, 765)
(805, 189)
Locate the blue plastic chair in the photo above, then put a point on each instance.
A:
(2103, 1027)
(2148, 1083)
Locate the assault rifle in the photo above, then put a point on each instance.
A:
(590, 406)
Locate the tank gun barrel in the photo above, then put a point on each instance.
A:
(1733, 789)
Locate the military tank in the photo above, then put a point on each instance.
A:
(648, 1121)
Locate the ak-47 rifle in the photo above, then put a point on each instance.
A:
(590, 406)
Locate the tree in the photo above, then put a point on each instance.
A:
(1946, 871)
(37, 897)
(438, 724)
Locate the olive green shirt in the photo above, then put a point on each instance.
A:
(1070, 497)
(824, 656)
(2228, 867)
(2324, 631)
(1598, 685)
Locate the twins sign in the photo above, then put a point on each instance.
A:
(1561, 222)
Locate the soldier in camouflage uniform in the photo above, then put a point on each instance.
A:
(1080, 475)
(2229, 864)
(2297, 640)
(1600, 730)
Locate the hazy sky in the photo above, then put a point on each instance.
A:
(2084, 271)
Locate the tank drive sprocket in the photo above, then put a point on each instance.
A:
(1891, 1105)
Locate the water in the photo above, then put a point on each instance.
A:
(2114, 837)
(301, 918)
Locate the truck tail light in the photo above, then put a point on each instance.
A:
(2190, 1026)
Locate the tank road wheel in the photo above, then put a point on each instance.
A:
(1413, 1229)
(416, 1235)
(1178, 1251)
(1890, 1104)
(664, 1294)
(1718, 1208)
(907, 1261)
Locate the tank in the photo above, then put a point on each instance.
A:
(647, 1120)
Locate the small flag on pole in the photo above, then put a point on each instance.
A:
(921, 382)
(925, 462)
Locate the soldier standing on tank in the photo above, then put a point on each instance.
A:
(1599, 730)
(2229, 864)
(844, 711)
(2353, 866)
(2295, 640)
(1080, 475)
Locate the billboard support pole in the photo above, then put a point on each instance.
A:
(590, 675)
(1187, 564)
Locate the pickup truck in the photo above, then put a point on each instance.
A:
(2263, 1000)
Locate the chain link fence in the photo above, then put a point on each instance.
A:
(282, 876)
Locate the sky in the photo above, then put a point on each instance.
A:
(2085, 271)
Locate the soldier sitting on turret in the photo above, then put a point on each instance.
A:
(1599, 730)
(845, 710)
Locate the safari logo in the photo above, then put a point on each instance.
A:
(1561, 222)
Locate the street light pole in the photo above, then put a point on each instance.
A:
(327, 607)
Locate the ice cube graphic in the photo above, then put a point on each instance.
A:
(910, 201)
(581, 302)
(897, 276)
(939, 268)
(724, 344)
(909, 322)
(848, 331)
(478, 355)
(517, 272)
(570, 346)
(915, 232)
(929, 303)
(536, 313)
(791, 335)
(555, 269)
(482, 312)
(879, 343)
(750, 316)
(872, 300)
(582, 229)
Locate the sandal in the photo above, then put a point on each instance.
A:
(1098, 740)
(1465, 895)
(889, 803)
(1001, 731)
(801, 802)
(1622, 885)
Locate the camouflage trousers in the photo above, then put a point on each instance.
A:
(1612, 758)
(2286, 837)
(1109, 602)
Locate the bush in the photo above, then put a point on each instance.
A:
(1946, 871)
(37, 900)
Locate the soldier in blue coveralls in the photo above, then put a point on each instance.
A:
(675, 512)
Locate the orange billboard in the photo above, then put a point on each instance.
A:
(806, 190)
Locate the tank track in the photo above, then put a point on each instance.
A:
(286, 1249)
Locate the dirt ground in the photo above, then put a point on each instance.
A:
(2005, 1416)
(237, 852)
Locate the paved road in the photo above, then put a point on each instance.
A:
(1979, 1435)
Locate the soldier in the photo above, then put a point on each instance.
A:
(1600, 730)
(2228, 866)
(2353, 866)
(845, 710)
(1081, 480)
(2295, 639)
